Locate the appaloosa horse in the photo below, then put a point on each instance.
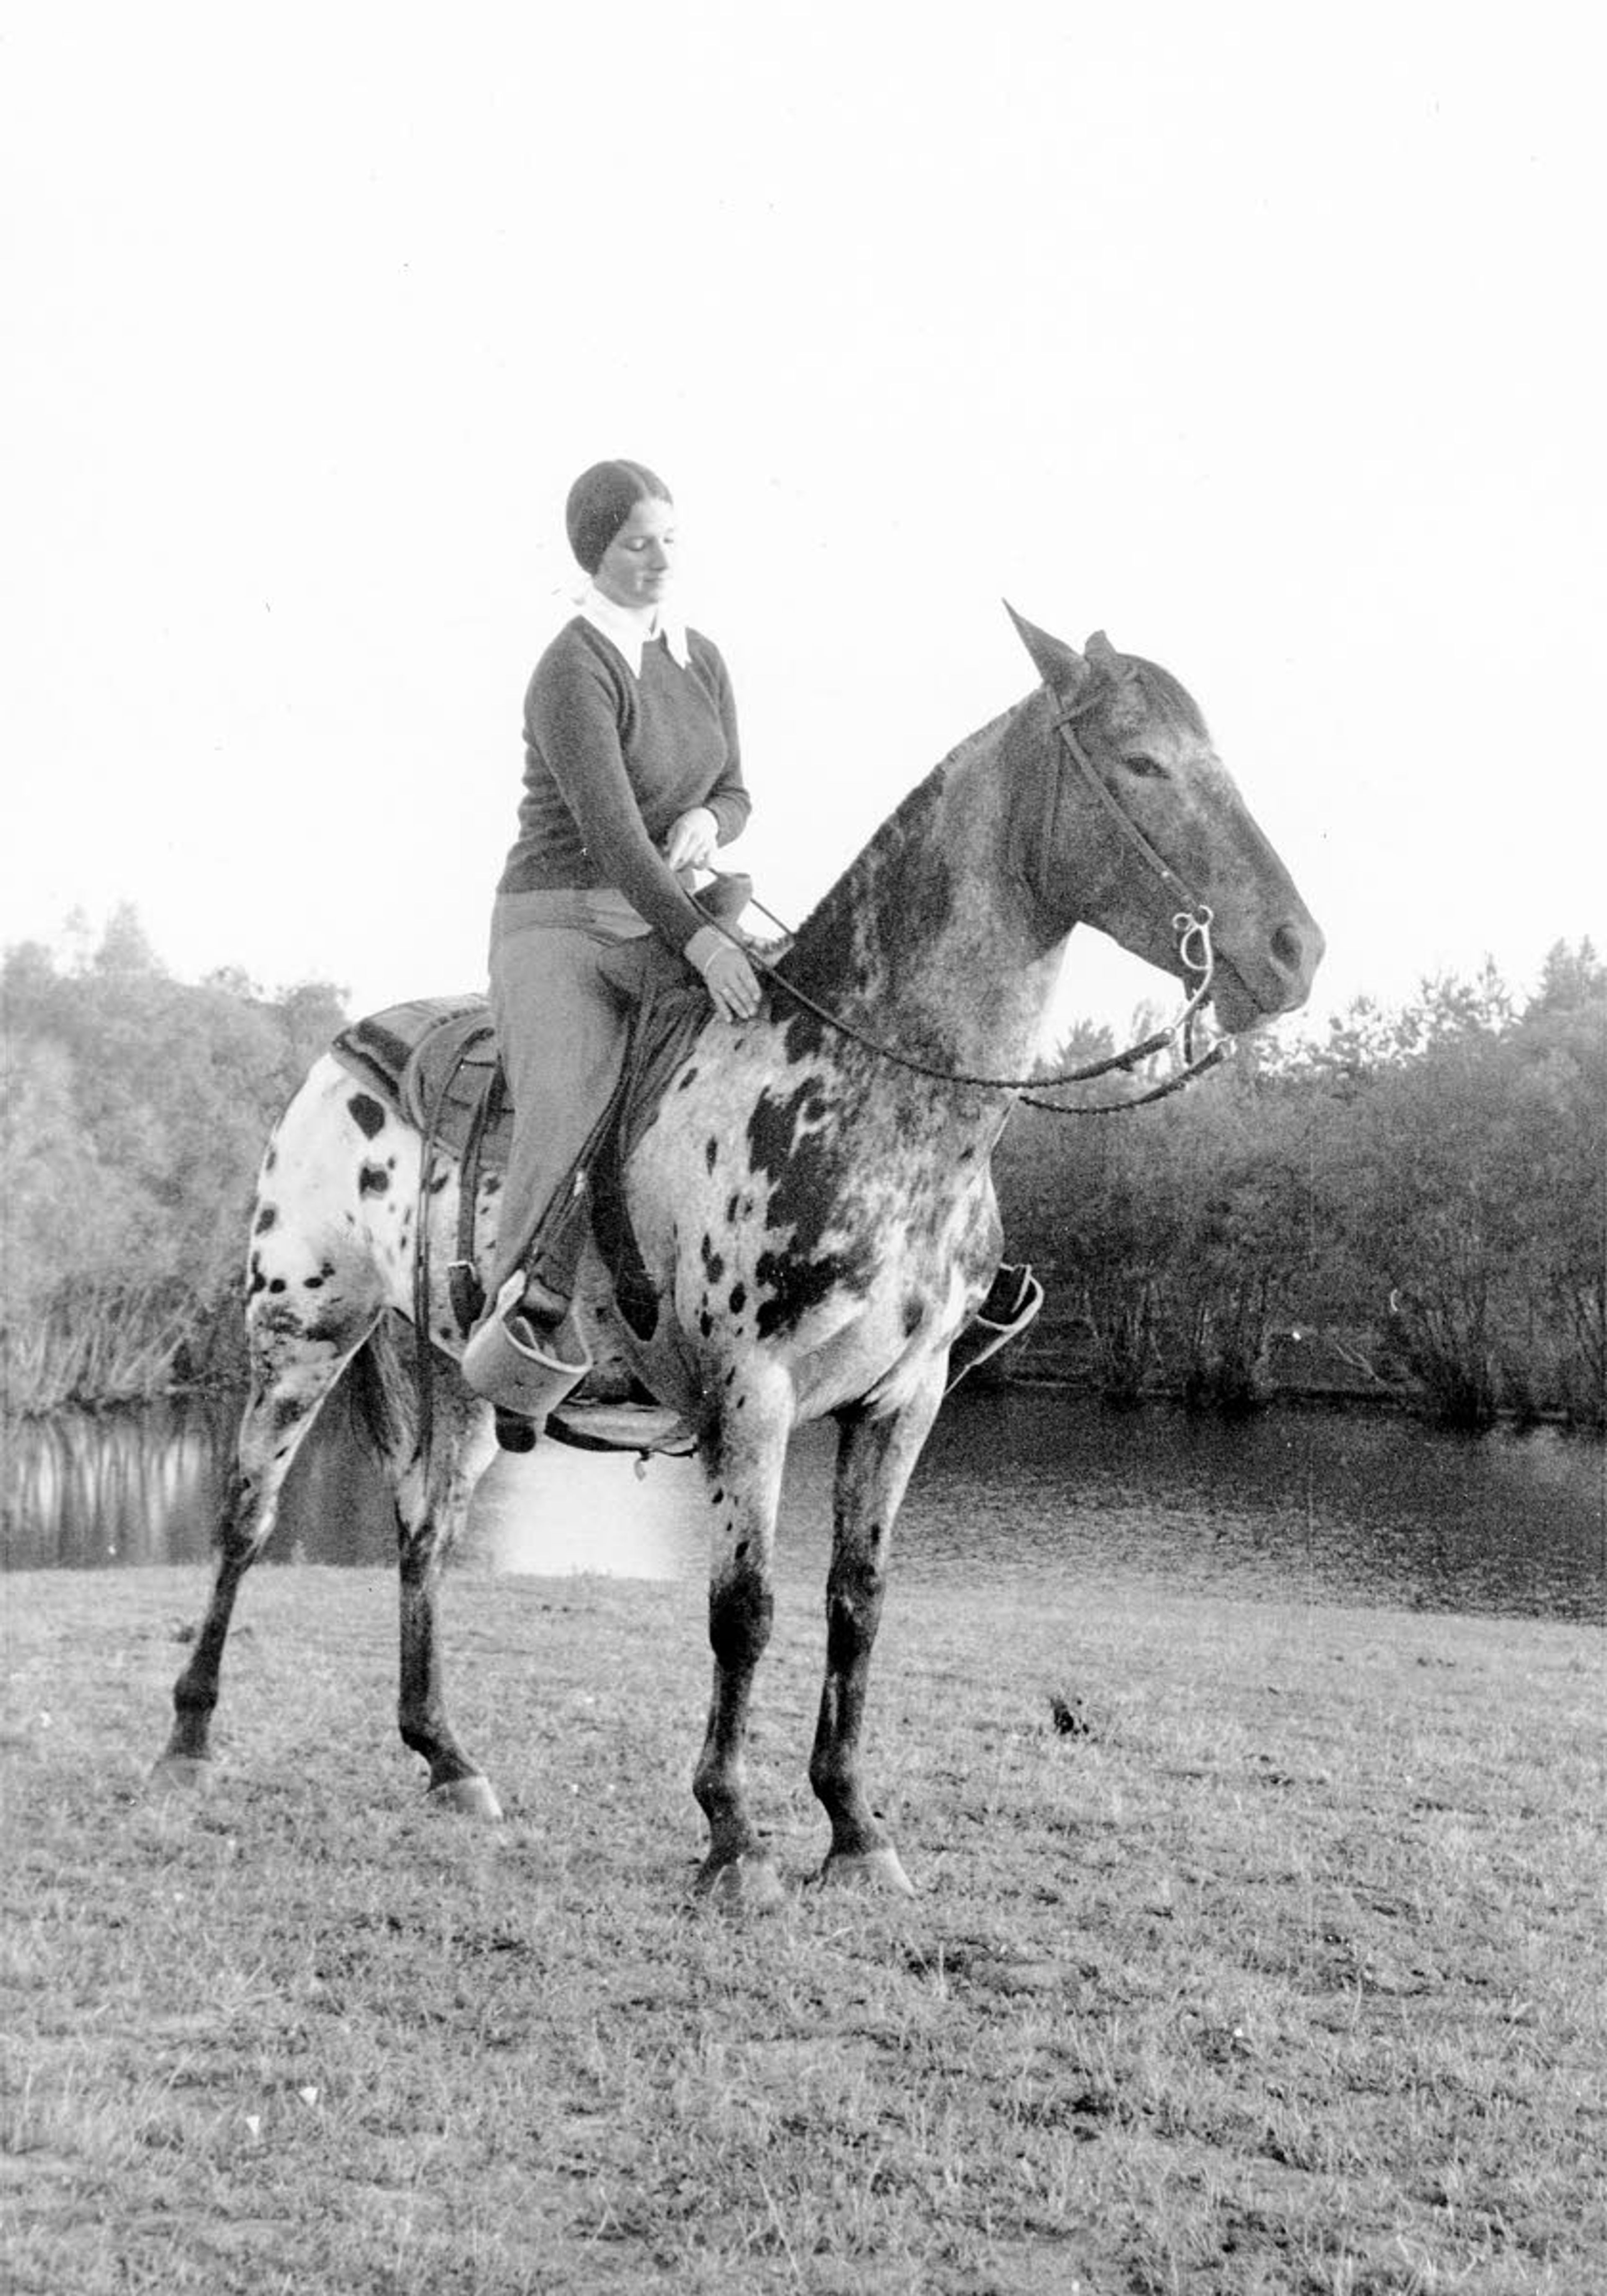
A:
(812, 1203)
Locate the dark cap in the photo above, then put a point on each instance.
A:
(600, 501)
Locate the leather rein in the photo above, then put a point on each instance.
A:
(1191, 925)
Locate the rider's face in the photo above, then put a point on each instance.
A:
(635, 567)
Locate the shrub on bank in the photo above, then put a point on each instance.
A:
(135, 1110)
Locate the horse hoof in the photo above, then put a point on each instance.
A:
(749, 1884)
(470, 1797)
(182, 1774)
(867, 1869)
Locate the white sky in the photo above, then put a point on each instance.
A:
(1265, 337)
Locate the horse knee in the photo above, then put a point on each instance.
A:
(741, 1610)
(853, 1614)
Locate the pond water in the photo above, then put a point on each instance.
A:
(1017, 1484)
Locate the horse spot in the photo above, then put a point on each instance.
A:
(738, 1300)
(797, 1282)
(373, 1180)
(690, 1077)
(266, 1219)
(494, 1185)
(773, 1130)
(712, 1261)
(804, 1037)
(914, 1310)
(366, 1113)
(438, 1183)
(705, 1323)
(732, 1201)
(277, 1285)
(718, 1496)
(311, 1282)
(710, 1153)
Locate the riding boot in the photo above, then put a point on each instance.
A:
(1014, 1299)
(525, 1357)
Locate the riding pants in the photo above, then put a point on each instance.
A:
(561, 1028)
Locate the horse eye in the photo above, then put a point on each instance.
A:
(1147, 768)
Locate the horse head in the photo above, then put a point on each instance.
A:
(1138, 827)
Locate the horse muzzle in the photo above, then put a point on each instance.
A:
(1255, 985)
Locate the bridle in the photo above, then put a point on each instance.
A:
(1191, 925)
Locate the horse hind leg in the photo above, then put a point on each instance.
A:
(295, 1366)
(432, 1499)
(875, 1457)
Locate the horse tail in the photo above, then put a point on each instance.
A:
(383, 1391)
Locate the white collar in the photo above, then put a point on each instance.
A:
(632, 628)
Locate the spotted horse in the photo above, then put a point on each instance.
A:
(811, 1205)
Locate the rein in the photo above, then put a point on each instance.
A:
(1191, 925)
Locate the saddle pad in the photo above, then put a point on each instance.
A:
(406, 1053)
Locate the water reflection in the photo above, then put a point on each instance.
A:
(1016, 1484)
(86, 1490)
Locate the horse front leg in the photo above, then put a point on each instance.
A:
(744, 1457)
(875, 1457)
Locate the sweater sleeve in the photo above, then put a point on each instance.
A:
(728, 801)
(573, 718)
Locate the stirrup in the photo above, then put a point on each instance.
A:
(1013, 1299)
(522, 1368)
(650, 1430)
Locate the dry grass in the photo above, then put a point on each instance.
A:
(1280, 1969)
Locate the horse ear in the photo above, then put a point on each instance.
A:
(1104, 655)
(1058, 664)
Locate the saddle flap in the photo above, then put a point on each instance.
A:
(408, 1051)
(458, 1057)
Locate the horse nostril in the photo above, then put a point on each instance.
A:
(1288, 948)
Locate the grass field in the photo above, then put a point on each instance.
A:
(1281, 1969)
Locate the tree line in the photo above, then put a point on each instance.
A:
(135, 1112)
(1413, 1206)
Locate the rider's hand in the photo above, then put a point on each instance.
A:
(692, 839)
(730, 980)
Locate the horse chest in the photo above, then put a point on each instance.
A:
(781, 1211)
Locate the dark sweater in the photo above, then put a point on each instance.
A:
(611, 761)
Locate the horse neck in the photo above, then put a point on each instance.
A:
(932, 939)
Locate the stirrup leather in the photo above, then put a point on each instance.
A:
(1013, 1299)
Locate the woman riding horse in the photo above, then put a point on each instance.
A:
(633, 776)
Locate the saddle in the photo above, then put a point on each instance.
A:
(435, 1062)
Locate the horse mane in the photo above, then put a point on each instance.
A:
(826, 939)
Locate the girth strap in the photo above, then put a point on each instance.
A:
(421, 1251)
